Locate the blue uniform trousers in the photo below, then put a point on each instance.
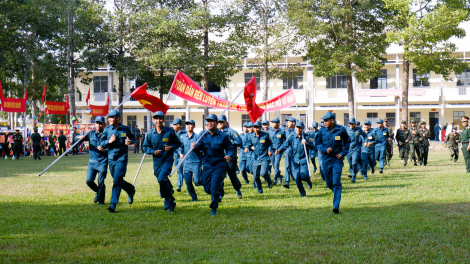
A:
(192, 170)
(380, 154)
(276, 161)
(353, 160)
(179, 173)
(118, 172)
(91, 172)
(162, 171)
(300, 172)
(367, 161)
(260, 168)
(244, 169)
(232, 174)
(320, 162)
(332, 167)
(213, 181)
(249, 164)
(288, 167)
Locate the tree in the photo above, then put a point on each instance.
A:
(423, 29)
(345, 37)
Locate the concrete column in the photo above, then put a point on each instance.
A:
(442, 102)
(310, 94)
(397, 86)
(110, 87)
(149, 120)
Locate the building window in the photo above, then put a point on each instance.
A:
(391, 119)
(246, 118)
(131, 122)
(415, 116)
(463, 79)
(379, 82)
(346, 119)
(457, 117)
(420, 80)
(168, 120)
(303, 118)
(336, 81)
(372, 115)
(100, 84)
(250, 75)
(183, 122)
(284, 117)
(145, 124)
(295, 82)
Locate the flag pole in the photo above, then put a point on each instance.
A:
(205, 132)
(305, 148)
(67, 150)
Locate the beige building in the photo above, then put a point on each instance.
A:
(431, 99)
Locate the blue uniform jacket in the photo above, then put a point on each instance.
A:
(117, 151)
(381, 135)
(356, 136)
(100, 158)
(277, 137)
(336, 139)
(366, 138)
(297, 148)
(289, 132)
(234, 139)
(214, 148)
(154, 141)
(244, 138)
(186, 140)
(262, 145)
(312, 134)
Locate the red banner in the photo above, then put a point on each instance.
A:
(98, 110)
(14, 105)
(56, 108)
(83, 128)
(56, 128)
(187, 89)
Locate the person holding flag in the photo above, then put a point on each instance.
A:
(243, 156)
(289, 131)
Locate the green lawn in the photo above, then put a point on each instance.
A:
(408, 214)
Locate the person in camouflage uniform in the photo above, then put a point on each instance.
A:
(424, 143)
(452, 142)
(413, 140)
(465, 144)
(403, 135)
(389, 147)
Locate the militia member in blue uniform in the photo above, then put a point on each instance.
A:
(232, 165)
(116, 138)
(177, 126)
(289, 131)
(266, 128)
(192, 164)
(249, 155)
(218, 151)
(17, 144)
(243, 159)
(355, 134)
(278, 137)
(36, 139)
(299, 159)
(333, 142)
(314, 151)
(261, 145)
(98, 162)
(162, 142)
(381, 134)
(75, 139)
(367, 149)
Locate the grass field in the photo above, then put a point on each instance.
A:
(408, 214)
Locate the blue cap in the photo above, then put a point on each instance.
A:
(299, 124)
(257, 123)
(114, 113)
(158, 113)
(177, 121)
(222, 118)
(249, 124)
(380, 121)
(352, 121)
(291, 119)
(358, 123)
(265, 122)
(211, 117)
(99, 119)
(329, 115)
(276, 120)
(367, 122)
(244, 124)
(315, 124)
(190, 121)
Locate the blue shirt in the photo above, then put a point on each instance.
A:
(180, 136)
(234, 139)
(262, 145)
(355, 135)
(381, 135)
(186, 140)
(155, 141)
(117, 151)
(312, 134)
(96, 156)
(244, 138)
(366, 138)
(289, 132)
(336, 139)
(214, 148)
(297, 148)
(277, 137)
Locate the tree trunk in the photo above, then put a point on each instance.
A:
(70, 66)
(404, 98)
(161, 85)
(349, 86)
(266, 51)
(206, 58)
(120, 97)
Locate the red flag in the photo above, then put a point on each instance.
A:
(26, 94)
(99, 110)
(44, 93)
(67, 102)
(1, 90)
(254, 111)
(88, 96)
(148, 101)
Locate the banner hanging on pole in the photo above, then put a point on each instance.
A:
(187, 89)
(56, 108)
(14, 105)
(100, 110)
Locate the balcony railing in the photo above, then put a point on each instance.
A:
(456, 93)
